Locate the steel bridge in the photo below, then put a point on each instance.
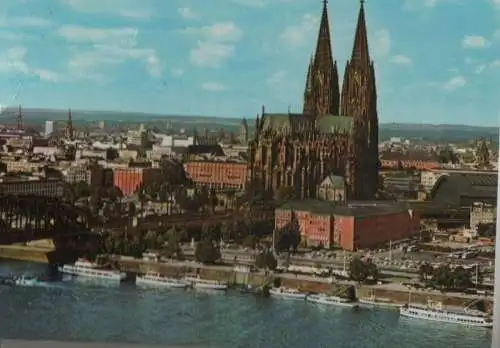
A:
(25, 218)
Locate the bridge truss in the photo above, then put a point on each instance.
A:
(25, 218)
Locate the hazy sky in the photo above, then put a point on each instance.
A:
(437, 61)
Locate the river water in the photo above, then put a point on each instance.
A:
(95, 311)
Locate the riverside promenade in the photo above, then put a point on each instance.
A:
(41, 252)
(395, 292)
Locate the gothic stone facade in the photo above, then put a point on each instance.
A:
(337, 133)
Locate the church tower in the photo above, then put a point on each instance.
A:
(359, 100)
(69, 126)
(321, 95)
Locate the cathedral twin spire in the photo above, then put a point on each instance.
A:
(322, 93)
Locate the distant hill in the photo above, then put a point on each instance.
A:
(414, 131)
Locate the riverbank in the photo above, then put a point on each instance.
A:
(393, 292)
(38, 253)
(45, 253)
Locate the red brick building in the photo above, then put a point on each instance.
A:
(412, 160)
(353, 226)
(128, 180)
(218, 174)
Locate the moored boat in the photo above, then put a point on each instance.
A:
(89, 269)
(435, 312)
(21, 280)
(372, 301)
(331, 300)
(287, 293)
(199, 283)
(25, 280)
(155, 279)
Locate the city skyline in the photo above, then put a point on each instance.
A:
(65, 53)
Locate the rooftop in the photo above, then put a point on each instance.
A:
(452, 187)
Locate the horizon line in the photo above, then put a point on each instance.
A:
(154, 114)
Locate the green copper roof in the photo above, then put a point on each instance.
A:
(292, 123)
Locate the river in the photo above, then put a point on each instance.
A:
(96, 311)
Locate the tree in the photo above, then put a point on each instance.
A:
(283, 194)
(461, 278)
(111, 154)
(250, 241)
(207, 252)
(357, 270)
(283, 242)
(266, 260)
(425, 271)
(226, 231)
(486, 230)
(202, 197)
(443, 277)
(151, 239)
(213, 200)
(372, 270)
(131, 210)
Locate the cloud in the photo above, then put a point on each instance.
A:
(216, 44)
(47, 75)
(496, 3)
(210, 54)
(454, 83)
(178, 72)
(475, 41)
(21, 22)
(125, 37)
(277, 78)
(260, 3)
(381, 43)
(480, 68)
(212, 87)
(218, 32)
(105, 46)
(401, 60)
(187, 13)
(14, 62)
(300, 35)
(131, 9)
(410, 5)
(495, 64)
(11, 36)
(469, 60)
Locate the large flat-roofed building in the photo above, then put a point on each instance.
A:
(49, 188)
(465, 189)
(218, 175)
(428, 178)
(352, 226)
(129, 179)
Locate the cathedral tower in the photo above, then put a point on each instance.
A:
(321, 95)
(359, 100)
(69, 126)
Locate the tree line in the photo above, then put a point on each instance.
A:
(445, 277)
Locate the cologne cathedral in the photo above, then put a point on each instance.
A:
(335, 135)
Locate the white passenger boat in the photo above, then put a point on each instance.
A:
(25, 280)
(155, 279)
(287, 293)
(372, 301)
(199, 283)
(331, 300)
(86, 268)
(436, 312)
